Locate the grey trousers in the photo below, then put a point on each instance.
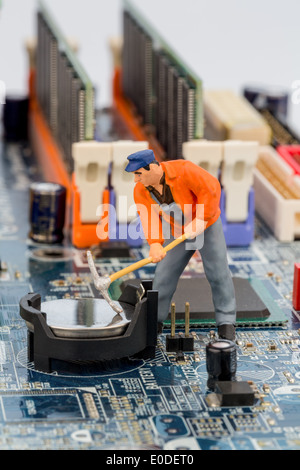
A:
(214, 258)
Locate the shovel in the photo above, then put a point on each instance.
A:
(102, 283)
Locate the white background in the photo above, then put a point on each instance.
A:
(228, 43)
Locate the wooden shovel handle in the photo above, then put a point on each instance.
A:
(176, 242)
(145, 261)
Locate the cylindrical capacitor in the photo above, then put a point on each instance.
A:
(221, 361)
(272, 98)
(277, 102)
(256, 96)
(47, 212)
(15, 118)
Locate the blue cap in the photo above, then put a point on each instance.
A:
(139, 159)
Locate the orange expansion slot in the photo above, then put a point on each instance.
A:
(133, 123)
(51, 162)
(85, 235)
(46, 150)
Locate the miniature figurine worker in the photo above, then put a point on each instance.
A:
(173, 189)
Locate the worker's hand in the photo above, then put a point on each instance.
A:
(194, 228)
(157, 252)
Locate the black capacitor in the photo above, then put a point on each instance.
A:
(272, 98)
(221, 361)
(256, 96)
(15, 118)
(277, 102)
(47, 212)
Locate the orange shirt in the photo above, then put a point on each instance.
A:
(190, 185)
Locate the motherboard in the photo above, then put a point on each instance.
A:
(161, 403)
(136, 385)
